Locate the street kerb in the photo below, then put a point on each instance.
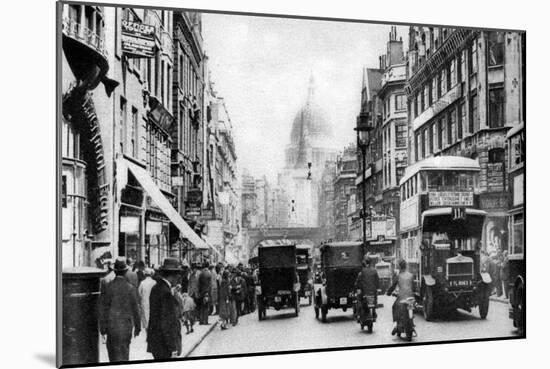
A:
(194, 344)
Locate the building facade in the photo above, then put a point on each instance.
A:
(189, 132)
(344, 189)
(117, 146)
(311, 145)
(465, 91)
(326, 201)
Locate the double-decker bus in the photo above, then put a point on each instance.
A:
(516, 218)
(441, 228)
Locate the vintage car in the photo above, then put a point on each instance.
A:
(303, 263)
(340, 265)
(278, 283)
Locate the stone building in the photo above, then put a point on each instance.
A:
(326, 201)
(344, 189)
(465, 91)
(117, 143)
(189, 132)
(311, 145)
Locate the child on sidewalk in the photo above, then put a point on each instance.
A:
(188, 316)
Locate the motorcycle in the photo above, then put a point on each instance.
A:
(366, 310)
(405, 323)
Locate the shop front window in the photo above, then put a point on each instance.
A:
(517, 246)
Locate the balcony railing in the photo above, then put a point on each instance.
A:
(77, 31)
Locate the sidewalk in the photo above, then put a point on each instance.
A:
(138, 347)
(501, 299)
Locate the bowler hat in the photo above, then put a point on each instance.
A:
(171, 265)
(120, 264)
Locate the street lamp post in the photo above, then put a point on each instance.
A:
(363, 128)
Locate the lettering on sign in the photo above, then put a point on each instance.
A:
(449, 198)
(138, 39)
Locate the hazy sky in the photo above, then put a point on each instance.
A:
(261, 66)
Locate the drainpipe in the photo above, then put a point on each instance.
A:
(74, 210)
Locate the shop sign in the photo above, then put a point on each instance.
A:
(493, 201)
(129, 224)
(138, 39)
(153, 227)
(177, 181)
(194, 198)
(451, 198)
(192, 211)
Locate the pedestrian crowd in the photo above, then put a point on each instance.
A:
(496, 264)
(161, 301)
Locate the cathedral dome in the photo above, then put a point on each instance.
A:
(310, 126)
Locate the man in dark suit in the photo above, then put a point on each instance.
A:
(119, 313)
(205, 294)
(367, 282)
(164, 332)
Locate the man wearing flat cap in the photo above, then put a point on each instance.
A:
(119, 313)
(164, 332)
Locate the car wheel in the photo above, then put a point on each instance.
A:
(261, 315)
(520, 309)
(369, 326)
(324, 312)
(484, 303)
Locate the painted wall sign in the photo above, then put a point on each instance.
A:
(138, 39)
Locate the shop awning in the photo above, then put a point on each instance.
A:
(162, 202)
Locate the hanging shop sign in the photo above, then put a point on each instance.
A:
(153, 227)
(129, 224)
(138, 39)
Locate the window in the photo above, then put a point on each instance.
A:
(517, 150)
(472, 60)
(443, 82)
(416, 106)
(431, 140)
(461, 120)
(424, 144)
(495, 48)
(422, 101)
(473, 124)
(401, 135)
(162, 82)
(134, 133)
(180, 70)
(64, 191)
(451, 125)
(433, 91)
(449, 73)
(518, 238)
(435, 137)
(439, 85)
(453, 73)
(462, 68)
(417, 151)
(427, 96)
(123, 124)
(400, 102)
(441, 134)
(496, 107)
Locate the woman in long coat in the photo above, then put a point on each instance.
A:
(235, 291)
(214, 288)
(224, 302)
